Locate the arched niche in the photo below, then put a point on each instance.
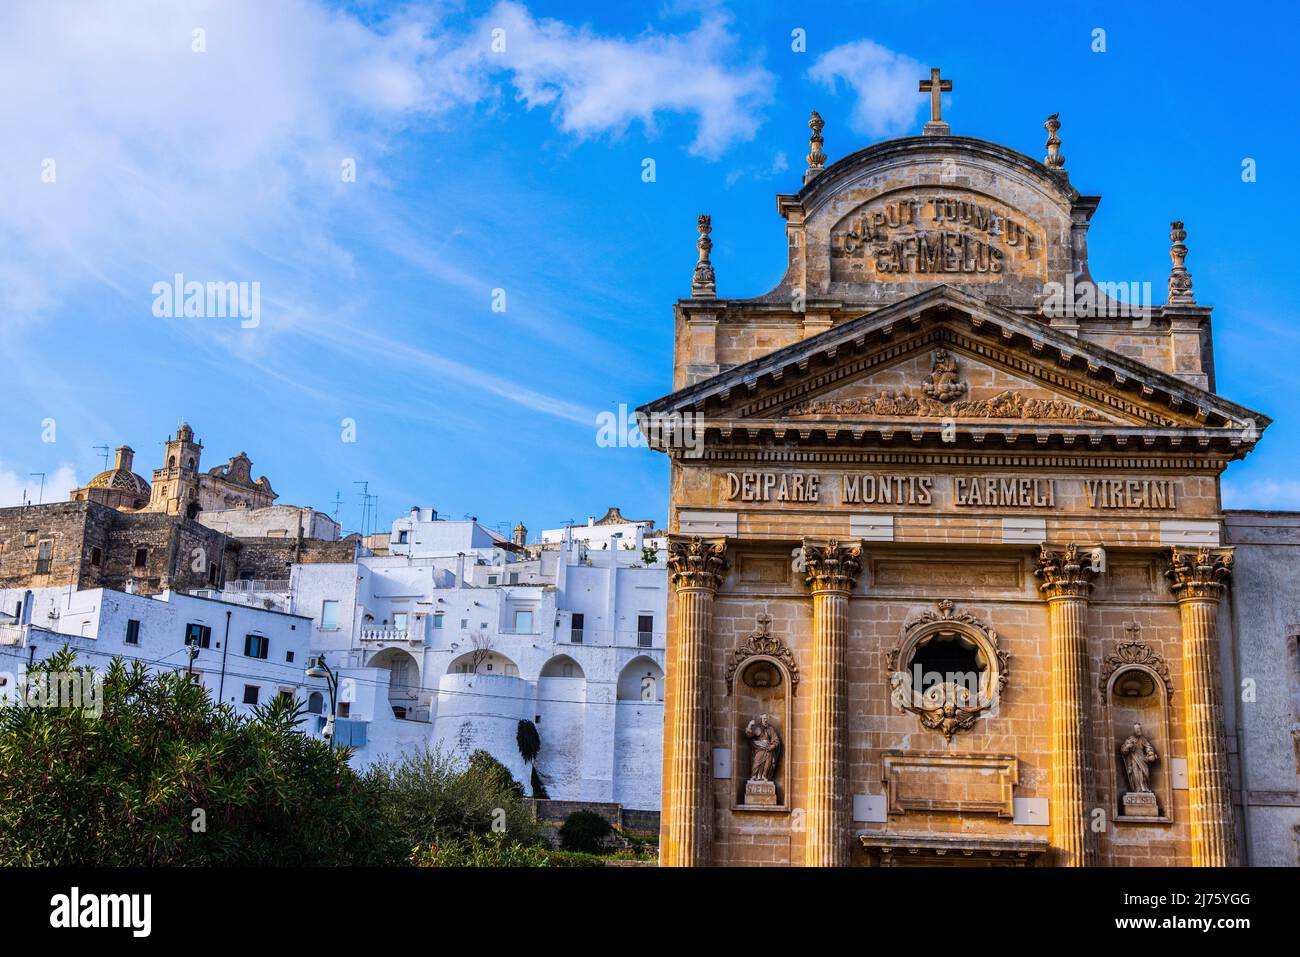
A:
(1136, 693)
(762, 678)
(641, 680)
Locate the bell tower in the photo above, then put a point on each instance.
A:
(176, 484)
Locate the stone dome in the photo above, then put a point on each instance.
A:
(122, 480)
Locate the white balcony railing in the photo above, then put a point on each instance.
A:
(387, 634)
(275, 586)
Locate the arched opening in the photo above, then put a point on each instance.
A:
(171, 461)
(641, 680)
(638, 733)
(562, 666)
(403, 680)
(481, 662)
(316, 703)
(561, 722)
(192, 510)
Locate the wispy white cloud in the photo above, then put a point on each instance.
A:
(208, 139)
(883, 82)
(1262, 493)
(598, 84)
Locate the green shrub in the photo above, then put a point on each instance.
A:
(166, 776)
(429, 801)
(481, 850)
(584, 831)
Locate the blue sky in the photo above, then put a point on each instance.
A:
(521, 171)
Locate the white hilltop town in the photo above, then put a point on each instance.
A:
(437, 633)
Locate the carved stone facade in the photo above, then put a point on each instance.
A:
(981, 534)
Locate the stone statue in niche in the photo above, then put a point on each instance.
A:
(766, 749)
(1139, 754)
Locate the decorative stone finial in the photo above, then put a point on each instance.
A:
(1054, 159)
(816, 158)
(702, 285)
(1180, 280)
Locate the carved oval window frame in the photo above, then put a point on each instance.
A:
(993, 677)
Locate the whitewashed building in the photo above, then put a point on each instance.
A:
(457, 635)
(243, 655)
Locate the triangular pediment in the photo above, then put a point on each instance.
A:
(939, 380)
(945, 356)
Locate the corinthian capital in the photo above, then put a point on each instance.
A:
(832, 566)
(1064, 573)
(1199, 572)
(696, 563)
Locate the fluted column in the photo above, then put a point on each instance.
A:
(696, 569)
(1198, 579)
(832, 573)
(1066, 582)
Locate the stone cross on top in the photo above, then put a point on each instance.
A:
(936, 88)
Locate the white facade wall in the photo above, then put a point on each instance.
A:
(416, 621)
(94, 623)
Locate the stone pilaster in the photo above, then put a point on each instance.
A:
(696, 569)
(1198, 578)
(1066, 582)
(832, 573)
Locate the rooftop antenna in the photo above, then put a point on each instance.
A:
(338, 500)
(365, 507)
(41, 497)
(103, 450)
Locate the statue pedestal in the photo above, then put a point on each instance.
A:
(760, 793)
(1140, 804)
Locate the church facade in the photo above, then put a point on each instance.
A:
(951, 582)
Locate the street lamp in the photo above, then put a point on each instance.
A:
(318, 668)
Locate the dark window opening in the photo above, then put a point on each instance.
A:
(944, 659)
(250, 694)
(198, 635)
(645, 630)
(256, 646)
(44, 556)
(575, 633)
(96, 556)
(141, 557)
(132, 632)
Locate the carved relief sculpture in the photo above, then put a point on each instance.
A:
(942, 382)
(1011, 404)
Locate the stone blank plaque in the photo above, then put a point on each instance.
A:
(1178, 773)
(948, 574)
(869, 808)
(722, 762)
(1031, 811)
(1024, 531)
(872, 528)
(963, 783)
(695, 522)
